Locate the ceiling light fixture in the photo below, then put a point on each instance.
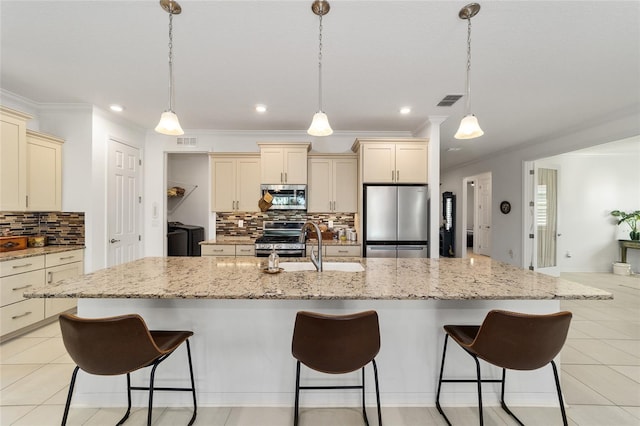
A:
(116, 108)
(469, 127)
(320, 124)
(405, 110)
(169, 124)
(261, 108)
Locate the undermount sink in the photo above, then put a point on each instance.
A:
(326, 266)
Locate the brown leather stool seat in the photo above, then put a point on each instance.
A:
(120, 345)
(336, 344)
(509, 340)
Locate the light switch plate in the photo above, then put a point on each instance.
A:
(330, 224)
(240, 223)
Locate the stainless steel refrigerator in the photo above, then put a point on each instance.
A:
(396, 220)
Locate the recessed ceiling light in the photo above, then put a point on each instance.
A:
(454, 148)
(261, 108)
(405, 110)
(116, 108)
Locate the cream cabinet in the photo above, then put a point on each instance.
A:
(18, 314)
(333, 184)
(342, 250)
(13, 159)
(44, 172)
(235, 182)
(392, 160)
(284, 163)
(218, 249)
(30, 166)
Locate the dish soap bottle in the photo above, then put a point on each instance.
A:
(274, 261)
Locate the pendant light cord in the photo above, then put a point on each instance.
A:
(320, 63)
(171, 61)
(468, 103)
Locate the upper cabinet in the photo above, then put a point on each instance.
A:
(333, 183)
(44, 172)
(284, 163)
(13, 159)
(30, 166)
(236, 182)
(392, 160)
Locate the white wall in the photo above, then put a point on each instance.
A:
(507, 172)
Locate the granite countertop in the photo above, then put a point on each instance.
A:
(37, 251)
(383, 279)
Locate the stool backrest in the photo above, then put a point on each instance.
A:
(521, 341)
(336, 344)
(108, 346)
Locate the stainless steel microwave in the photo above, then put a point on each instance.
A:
(287, 197)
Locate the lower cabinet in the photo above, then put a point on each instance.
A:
(342, 251)
(20, 275)
(228, 250)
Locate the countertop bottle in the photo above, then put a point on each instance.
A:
(274, 261)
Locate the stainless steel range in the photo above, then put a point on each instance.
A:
(284, 237)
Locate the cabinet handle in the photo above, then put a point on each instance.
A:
(22, 266)
(281, 181)
(21, 315)
(49, 277)
(285, 177)
(393, 175)
(21, 288)
(245, 250)
(67, 257)
(343, 251)
(397, 175)
(26, 200)
(218, 250)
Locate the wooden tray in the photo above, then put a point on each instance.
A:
(12, 243)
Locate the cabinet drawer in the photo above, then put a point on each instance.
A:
(344, 251)
(13, 286)
(55, 259)
(18, 266)
(218, 250)
(245, 250)
(20, 314)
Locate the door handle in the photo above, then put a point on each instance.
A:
(113, 241)
(49, 277)
(397, 175)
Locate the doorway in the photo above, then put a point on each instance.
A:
(476, 215)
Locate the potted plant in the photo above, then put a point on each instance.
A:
(630, 219)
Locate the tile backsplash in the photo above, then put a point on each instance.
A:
(60, 228)
(227, 223)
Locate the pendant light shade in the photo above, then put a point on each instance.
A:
(469, 127)
(320, 124)
(169, 124)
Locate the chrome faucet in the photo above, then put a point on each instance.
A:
(317, 261)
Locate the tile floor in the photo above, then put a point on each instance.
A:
(600, 379)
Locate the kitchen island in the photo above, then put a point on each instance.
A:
(243, 320)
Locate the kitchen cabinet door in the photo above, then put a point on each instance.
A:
(223, 187)
(295, 160)
(345, 185)
(411, 163)
(54, 275)
(248, 184)
(378, 163)
(236, 183)
(283, 163)
(44, 172)
(320, 191)
(13, 159)
(272, 165)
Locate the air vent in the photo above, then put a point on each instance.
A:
(449, 100)
(187, 141)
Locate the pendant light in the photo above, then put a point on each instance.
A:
(469, 127)
(169, 124)
(320, 125)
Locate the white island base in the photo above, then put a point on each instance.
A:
(241, 351)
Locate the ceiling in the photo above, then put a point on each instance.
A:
(539, 68)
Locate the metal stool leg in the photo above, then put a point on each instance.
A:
(126, 415)
(557, 379)
(504, 404)
(479, 390)
(193, 385)
(375, 375)
(295, 410)
(68, 404)
(364, 411)
(444, 354)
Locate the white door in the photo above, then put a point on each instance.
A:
(482, 230)
(123, 203)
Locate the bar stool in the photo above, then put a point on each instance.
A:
(509, 340)
(336, 344)
(120, 345)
